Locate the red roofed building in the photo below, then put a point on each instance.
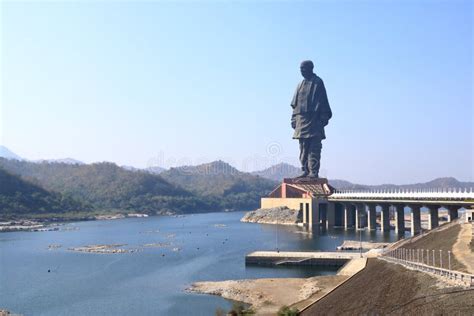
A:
(307, 195)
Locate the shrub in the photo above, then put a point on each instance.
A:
(287, 311)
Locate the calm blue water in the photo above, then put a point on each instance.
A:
(145, 282)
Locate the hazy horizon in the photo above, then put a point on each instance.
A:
(169, 84)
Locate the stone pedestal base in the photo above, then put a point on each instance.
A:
(317, 186)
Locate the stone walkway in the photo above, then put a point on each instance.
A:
(305, 254)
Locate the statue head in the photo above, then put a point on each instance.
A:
(306, 69)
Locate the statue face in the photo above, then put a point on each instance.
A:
(306, 71)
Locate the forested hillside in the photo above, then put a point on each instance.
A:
(106, 186)
(220, 182)
(103, 185)
(19, 197)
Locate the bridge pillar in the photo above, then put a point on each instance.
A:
(323, 215)
(331, 215)
(415, 219)
(372, 216)
(400, 219)
(348, 215)
(433, 220)
(360, 216)
(314, 215)
(385, 218)
(452, 213)
(304, 208)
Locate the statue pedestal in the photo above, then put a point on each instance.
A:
(319, 187)
(309, 195)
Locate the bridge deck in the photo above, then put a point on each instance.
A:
(425, 201)
(430, 196)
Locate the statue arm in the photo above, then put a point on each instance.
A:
(293, 106)
(325, 110)
(295, 96)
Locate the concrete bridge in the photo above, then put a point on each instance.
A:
(360, 207)
(327, 207)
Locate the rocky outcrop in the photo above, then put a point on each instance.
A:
(114, 248)
(281, 215)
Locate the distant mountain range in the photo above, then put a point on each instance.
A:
(68, 184)
(154, 170)
(8, 154)
(279, 171)
(68, 161)
(283, 170)
(439, 183)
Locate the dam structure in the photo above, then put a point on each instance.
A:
(325, 207)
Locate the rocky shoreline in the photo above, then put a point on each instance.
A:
(12, 226)
(280, 215)
(356, 245)
(53, 223)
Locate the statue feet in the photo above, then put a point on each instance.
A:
(307, 175)
(303, 175)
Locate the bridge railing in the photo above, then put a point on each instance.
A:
(426, 260)
(409, 194)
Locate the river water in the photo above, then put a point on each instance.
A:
(152, 281)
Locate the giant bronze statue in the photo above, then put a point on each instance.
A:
(311, 113)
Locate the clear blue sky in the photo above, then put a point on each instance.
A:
(141, 83)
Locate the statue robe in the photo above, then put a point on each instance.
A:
(311, 111)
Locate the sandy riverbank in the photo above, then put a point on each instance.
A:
(267, 295)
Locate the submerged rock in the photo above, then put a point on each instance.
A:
(113, 248)
(275, 215)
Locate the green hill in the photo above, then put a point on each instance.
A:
(19, 197)
(105, 186)
(221, 183)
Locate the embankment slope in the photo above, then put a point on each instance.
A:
(388, 289)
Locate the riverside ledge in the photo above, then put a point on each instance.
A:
(300, 258)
